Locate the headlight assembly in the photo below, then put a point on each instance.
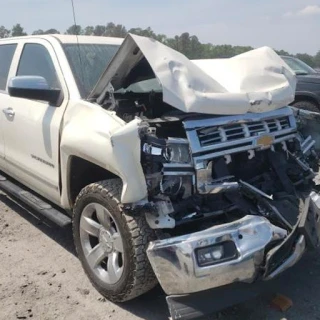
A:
(177, 151)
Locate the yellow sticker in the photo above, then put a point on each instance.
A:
(265, 141)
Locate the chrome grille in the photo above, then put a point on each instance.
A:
(214, 137)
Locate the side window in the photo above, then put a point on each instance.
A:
(6, 56)
(36, 61)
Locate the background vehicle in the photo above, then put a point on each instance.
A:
(308, 86)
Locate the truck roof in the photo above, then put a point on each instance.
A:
(63, 38)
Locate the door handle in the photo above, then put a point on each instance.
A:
(9, 112)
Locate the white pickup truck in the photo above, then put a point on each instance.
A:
(186, 173)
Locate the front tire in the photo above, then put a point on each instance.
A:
(111, 244)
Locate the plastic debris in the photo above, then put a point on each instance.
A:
(281, 302)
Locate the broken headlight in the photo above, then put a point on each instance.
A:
(177, 151)
(168, 166)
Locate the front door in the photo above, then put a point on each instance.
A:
(7, 51)
(32, 128)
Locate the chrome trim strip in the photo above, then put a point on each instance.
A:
(207, 188)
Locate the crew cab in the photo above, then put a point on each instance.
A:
(191, 174)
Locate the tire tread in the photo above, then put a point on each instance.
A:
(142, 275)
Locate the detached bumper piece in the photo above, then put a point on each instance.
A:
(197, 268)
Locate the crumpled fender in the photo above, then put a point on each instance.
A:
(127, 150)
(99, 136)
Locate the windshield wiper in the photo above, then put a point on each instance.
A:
(301, 73)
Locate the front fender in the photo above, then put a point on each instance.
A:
(96, 135)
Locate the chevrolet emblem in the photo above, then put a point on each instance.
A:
(264, 141)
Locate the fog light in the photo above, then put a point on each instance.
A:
(217, 253)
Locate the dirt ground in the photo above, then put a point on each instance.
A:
(41, 278)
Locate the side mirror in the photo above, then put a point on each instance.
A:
(33, 87)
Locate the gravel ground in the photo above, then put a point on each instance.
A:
(41, 278)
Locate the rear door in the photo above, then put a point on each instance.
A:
(32, 129)
(7, 50)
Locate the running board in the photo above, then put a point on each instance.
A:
(206, 303)
(42, 207)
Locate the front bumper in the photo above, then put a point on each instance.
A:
(176, 266)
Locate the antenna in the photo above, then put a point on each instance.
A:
(79, 52)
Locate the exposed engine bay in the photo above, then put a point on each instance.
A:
(205, 170)
(223, 169)
(146, 105)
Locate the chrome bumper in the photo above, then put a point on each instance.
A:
(175, 265)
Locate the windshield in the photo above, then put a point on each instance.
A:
(88, 61)
(298, 66)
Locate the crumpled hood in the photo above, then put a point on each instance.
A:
(256, 81)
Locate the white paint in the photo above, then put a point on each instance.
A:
(256, 81)
(100, 137)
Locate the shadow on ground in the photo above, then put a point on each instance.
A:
(301, 283)
(149, 306)
(63, 236)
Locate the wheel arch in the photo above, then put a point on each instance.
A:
(82, 172)
(307, 96)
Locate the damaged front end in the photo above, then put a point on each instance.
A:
(229, 192)
(233, 199)
(230, 197)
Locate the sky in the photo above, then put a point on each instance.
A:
(292, 25)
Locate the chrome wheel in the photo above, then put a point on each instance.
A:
(101, 243)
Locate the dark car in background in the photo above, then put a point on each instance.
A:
(308, 86)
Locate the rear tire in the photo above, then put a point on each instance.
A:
(111, 244)
(307, 105)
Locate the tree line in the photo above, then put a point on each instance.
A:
(185, 43)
